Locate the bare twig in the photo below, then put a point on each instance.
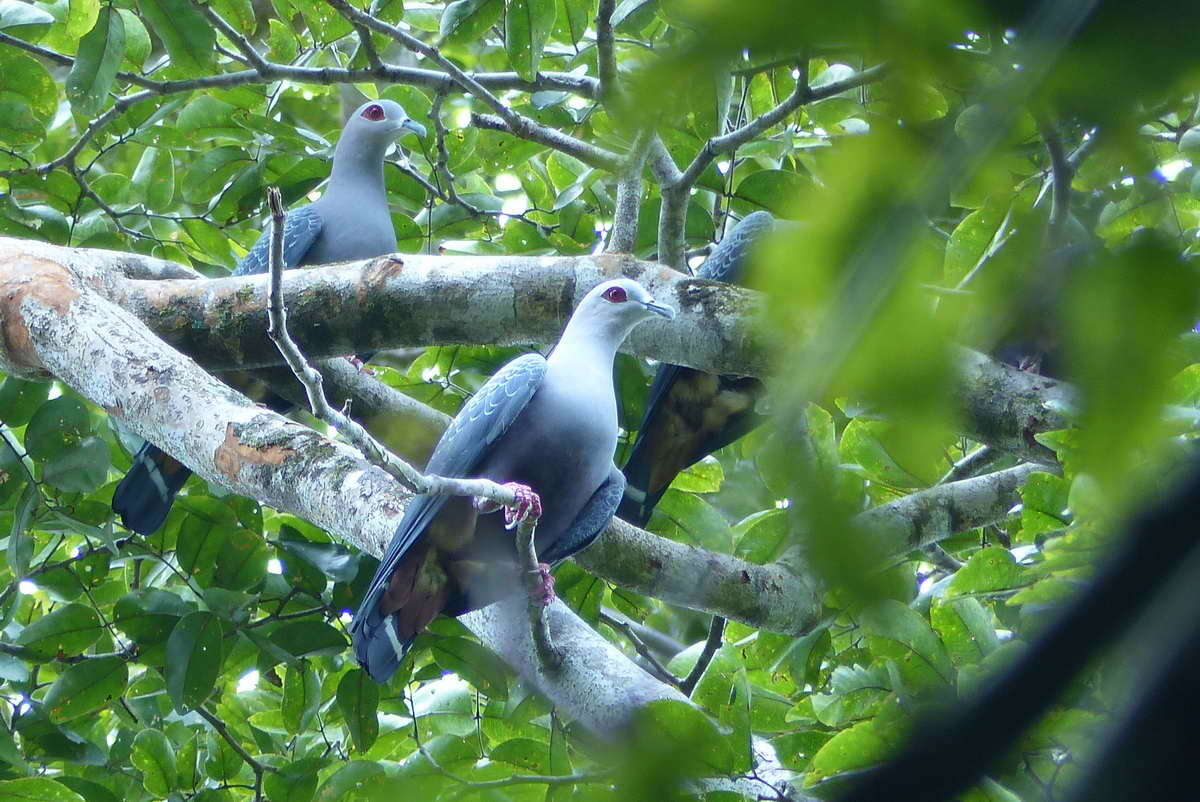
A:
(256, 766)
(606, 57)
(240, 42)
(657, 668)
(586, 152)
(970, 465)
(716, 632)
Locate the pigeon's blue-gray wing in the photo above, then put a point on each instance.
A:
(470, 437)
(301, 227)
(690, 414)
(590, 521)
(727, 260)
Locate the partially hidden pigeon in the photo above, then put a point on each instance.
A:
(350, 221)
(690, 414)
(547, 427)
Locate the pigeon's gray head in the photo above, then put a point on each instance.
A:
(619, 305)
(379, 123)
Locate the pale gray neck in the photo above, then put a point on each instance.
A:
(589, 344)
(357, 175)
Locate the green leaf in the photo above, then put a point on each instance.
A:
(19, 399)
(776, 191)
(301, 696)
(858, 747)
(357, 775)
(86, 687)
(358, 699)
(137, 39)
(37, 789)
(525, 753)
(474, 663)
(155, 178)
(90, 791)
(15, 14)
(148, 616)
(295, 782)
(239, 13)
(966, 628)
(282, 42)
(20, 544)
(761, 536)
(194, 655)
(100, 55)
(469, 20)
(19, 128)
(304, 638)
(896, 632)
(79, 469)
(572, 20)
(242, 561)
(989, 569)
(14, 472)
(66, 631)
(690, 519)
(704, 476)
(212, 171)
(687, 735)
(527, 25)
(189, 39)
(81, 17)
(154, 757)
(59, 425)
(333, 559)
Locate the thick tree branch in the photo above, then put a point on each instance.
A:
(623, 236)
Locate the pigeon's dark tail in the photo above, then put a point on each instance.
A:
(144, 496)
(376, 645)
(639, 501)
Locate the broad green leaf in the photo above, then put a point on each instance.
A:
(242, 560)
(966, 628)
(468, 20)
(211, 172)
(301, 696)
(154, 756)
(81, 17)
(294, 782)
(65, 631)
(282, 42)
(474, 663)
(573, 19)
(189, 39)
(858, 747)
(239, 13)
(28, 80)
(19, 399)
(527, 25)
(80, 468)
(690, 519)
(898, 633)
(358, 699)
(303, 638)
(155, 178)
(776, 191)
(704, 476)
(100, 55)
(149, 615)
(525, 753)
(357, 775)
(58, 425)
(762, 536)
(15, 14)
(137, 39)
(333, 559)
(20, 544)
(688, 735)
(90, 791)
(988, 569)
(194, 655)
(37, 789)
(86, 687)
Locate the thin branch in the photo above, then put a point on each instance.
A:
(517, 123)
(257, 767)
(660, 671)
(240, 42)
(586, 152)
(374, 451)
(801, 95)
(549, 657)
(970, 465)
(716, 633)
(368, 46)
(606, 57)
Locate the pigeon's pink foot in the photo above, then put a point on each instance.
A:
(543, 591)
(527, 505)
(359, 365)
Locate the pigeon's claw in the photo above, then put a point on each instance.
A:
(526, 506)
(543, 591)
(359, 365)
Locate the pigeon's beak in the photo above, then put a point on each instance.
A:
(414, 126)
(659, 309)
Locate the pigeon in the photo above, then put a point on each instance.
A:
(546, 427)
(690, 414)
(350, 221)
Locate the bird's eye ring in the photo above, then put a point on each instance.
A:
(374, 112)
(616, 295)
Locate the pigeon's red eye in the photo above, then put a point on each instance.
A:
(374, 112)
(616, 295)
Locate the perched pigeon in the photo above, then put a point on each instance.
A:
(350, 221)
(689, 413)
(547, 427)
